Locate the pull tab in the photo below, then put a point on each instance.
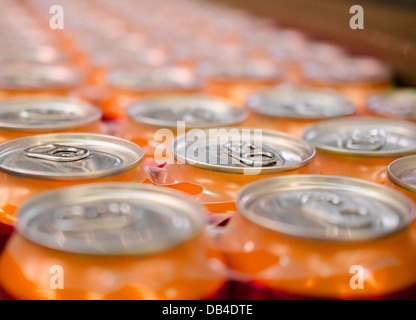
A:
(102, 216)
(56, 152)
(371, 140)
(46, 115)
(329, 209)
(252, 155)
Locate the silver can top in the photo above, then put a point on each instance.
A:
(68, 156)
(300, 103)
(197, 111)
(241, 69)
(397, 103)
(34, 77)
(325, 207)
(147, 78)
(363, 136)
(242, 150)
(402, 172)
(111, 219)
(46, 114)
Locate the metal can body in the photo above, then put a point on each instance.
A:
(22, 117)
(155, 119)
(328, 253)
(292, 109)
(222, 166)
(126, 85)
(132, 242)
(360, 147)
(35, 164)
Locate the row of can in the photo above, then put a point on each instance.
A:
(331, 213)
(125, 56)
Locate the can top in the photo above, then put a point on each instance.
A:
(68, 156)
(46, 114)
(325, 207)
(402, 172)
(242, 150)
(348, 70)
(300, 103)
(363, 136)
(398, 103)
(111, 219)
(148, 78)
(197, 111)
(34, 77)
(256, 70)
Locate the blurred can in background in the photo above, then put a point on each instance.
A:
(360, 147)
(236, 80)
(321, 237)
(393, 103)
(127, 84)
(155, 118)
(26, 116)
(21, 78)
(356, 77)
(292, 109)
(112, 241)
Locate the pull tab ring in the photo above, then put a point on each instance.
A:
(57, 152)
(248, 153)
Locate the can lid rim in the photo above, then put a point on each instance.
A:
(296, 231)
(28, 211)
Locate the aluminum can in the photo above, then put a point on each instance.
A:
(321, 237)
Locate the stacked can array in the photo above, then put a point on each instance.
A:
(188, 150)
